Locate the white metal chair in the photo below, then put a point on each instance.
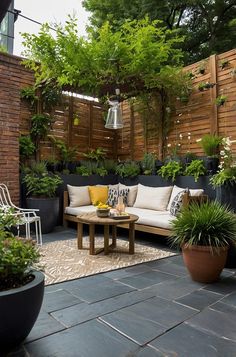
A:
(27, 216)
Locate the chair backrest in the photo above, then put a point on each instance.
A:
(5, 198)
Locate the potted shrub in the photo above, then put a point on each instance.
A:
(170, 170)
(210, 144)
(204, 233)
(196, 168)
(128, 169)
(148, 163)
(41, 191)
(21, 284)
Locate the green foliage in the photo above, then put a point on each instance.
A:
(226, 176)
(39, 168)
(40, 125)
(208, 26)
(67, 154)
(83, 170)
(205, 85)
(170, 170)
(220, 100)
(96, 154)
(27, 147)
(196, 168)
(101, 171)
(44, 185)
(141, 49)
(210, 144)
(109, 165)
(28, 93)
(18, 257)
(128, 169)
(148, 163)
(207, 224)
(51, 96)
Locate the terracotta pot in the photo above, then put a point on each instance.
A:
(202, 265)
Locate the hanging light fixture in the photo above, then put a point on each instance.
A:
(114, 116)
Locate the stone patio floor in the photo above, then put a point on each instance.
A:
(151, 309)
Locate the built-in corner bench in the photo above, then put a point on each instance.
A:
(150, 220)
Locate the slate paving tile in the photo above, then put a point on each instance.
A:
(223, 307)
(217, 323)
(144, 280)
(83, 312)
(45, 325)
(146, 320)
(223, 286)
(86, 340)
(158, 262)
(59, 299)
(173, 268)
(176, 288)
(230, 299)
(187, 341)
(148, 352)
(93, 280)
(199, 299)
(122, 273)
(97, 292)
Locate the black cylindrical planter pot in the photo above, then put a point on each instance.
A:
(48, 211)
(19, 309)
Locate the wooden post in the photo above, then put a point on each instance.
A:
(214, 125)
(90, 128)
(70, 119)
(132, 133)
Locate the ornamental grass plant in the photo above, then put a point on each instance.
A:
(208, 224)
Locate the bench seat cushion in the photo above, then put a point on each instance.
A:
(160, 219)
(80, 210)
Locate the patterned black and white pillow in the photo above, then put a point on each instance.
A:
(113, 194)
(124, 193)
(177, 203)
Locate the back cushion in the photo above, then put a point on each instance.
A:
(155, 198)
(78, 195)
(174, 193)
(196, 192)
(98, 194)
(132, 193)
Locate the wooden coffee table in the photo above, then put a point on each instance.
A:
(92, 219)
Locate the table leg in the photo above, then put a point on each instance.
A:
(106, 239)
(114, 235)
(91, 239)
(80, 235)
(131, 238)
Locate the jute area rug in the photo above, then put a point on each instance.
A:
(63, 261)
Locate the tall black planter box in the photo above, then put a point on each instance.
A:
(226, 195)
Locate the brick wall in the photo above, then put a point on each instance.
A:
(11, 75)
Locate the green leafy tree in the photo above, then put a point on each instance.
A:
(209, 25)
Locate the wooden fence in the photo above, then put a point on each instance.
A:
(189, 121)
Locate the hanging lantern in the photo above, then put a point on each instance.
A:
(114, 116)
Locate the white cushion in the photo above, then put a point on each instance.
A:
(79, 195)
(196, 192)
(161, 219)
(174, 193)
(75, 211)
(132, 193)
(155, 198)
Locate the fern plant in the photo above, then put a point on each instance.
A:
(210, 144)
(196, 168)
(170, 170)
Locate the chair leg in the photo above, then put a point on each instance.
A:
(40, 232)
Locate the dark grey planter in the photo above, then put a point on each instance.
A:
(226, 194)
(19, 309)
(48, 211)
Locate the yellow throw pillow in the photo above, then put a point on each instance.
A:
(98, 194)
